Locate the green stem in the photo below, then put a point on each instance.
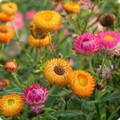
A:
(90, 65)
(15, 30)
(97, 107)
(86, 23)
(17, 81)
(51, 45)
(103, 62)
(2, 48)
(36, 54)
(62, 94)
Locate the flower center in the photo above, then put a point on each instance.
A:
(3, 31)
(83, 81)
(59, 70)
(10, 6)
(11, 65)
(11, 102)
(47, 16)
(109, 38)
(86, 40)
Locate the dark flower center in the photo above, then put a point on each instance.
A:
(59, 70)
(3, 31)
(86, 40)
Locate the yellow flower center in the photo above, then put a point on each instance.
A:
(47, 16)
(11, 65)
(83, 81)
(110, 38)
(11, 102)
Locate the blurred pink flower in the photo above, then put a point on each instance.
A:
(60, 26)
(17, 21)
(70, 61)
(67, 32)
(97, 24)
(59, 7)
(29, 15)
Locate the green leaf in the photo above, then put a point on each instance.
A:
(90, 116)
(67, 48)
(68, 113)
(113, 113)
(111, 96)
(14, 90)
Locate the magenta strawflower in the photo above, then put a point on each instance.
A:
(37, 109)
(35, 95)
(110, 42)
(86, 44)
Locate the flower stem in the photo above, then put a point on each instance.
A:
(62, 94)
(90, 65)
(103, 62)
(86, 23)
(17, 81)
(15, 30)
(51, 45)
(2, 48)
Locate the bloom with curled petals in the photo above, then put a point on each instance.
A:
(9, 8)
(38, 42)
(6, 34)
(47, 21)
(35, 95)
(72, 7)
(10, 66)
(81, 83)
(37, 32)
(4, 17)
(4, 83)
(110, 42)
(11, 105)
(86, 44)
(37, 109)
(57, 71)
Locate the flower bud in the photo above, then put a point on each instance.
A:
(10, 66)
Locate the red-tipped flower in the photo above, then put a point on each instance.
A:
(35, 95)
(10, 66)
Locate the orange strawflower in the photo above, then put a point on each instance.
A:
(9, 8)
(37, 32)
(38, 42)
(47, 21)
(4, 17)
(57, 71)
(6, 34)
(11, 105)
(71, 7)
(81, 83)
(10, 66)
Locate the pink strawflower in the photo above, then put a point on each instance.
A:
(17, 21)
(110, 42)
(37, 109)
(29, 15)
(35, 95)
(86, 44)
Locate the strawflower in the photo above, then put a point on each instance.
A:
(86, 44)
